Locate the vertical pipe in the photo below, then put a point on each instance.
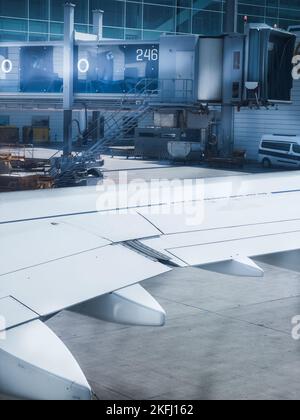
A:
(68, 132)
(230, 26)
(69, 28)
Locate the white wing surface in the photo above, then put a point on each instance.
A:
(61, 250)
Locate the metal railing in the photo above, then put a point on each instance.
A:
(137, 100)
(130, 110)
(129, 105)
(176, 90)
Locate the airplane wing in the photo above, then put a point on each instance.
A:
(59, 250)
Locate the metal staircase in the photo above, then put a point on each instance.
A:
(131, 109)
(119, 124)
(121, 117)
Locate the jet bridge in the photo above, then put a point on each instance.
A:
(230, 68)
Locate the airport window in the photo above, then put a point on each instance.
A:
(114, 11)
(159, 18)
(57, 11)
(14, 8)
(81, 11)
(284, 147)
(296, 148)
(134, 15)
(205, 22)
(184, 21)
(132, 19)
(39, 9)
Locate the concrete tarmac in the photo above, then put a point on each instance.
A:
(225, 338)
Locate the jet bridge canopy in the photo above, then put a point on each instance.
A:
(269, 63)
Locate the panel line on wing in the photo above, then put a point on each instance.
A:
(53, 260)
(151, 223)
(15, 313)
(235, 213)
(116, 228)
(276, 222)
(202, 254)
(52, 287)
(232, 240)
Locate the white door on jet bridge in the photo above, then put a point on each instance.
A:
(185, 64)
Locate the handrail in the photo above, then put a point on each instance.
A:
(133, 94)
(133, 105)
(157, 90)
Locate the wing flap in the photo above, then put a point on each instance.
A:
(51, 287)
(216, 245)
(27, 244)
(244, 247)
(114, 227)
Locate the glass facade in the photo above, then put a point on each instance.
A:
(38, 20)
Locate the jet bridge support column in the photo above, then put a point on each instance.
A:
(230, 26)
(69, 30)
(98, 23)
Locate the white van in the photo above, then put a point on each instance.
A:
(280, 150)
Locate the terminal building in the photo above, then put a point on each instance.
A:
(137, 44)
(34, 20)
